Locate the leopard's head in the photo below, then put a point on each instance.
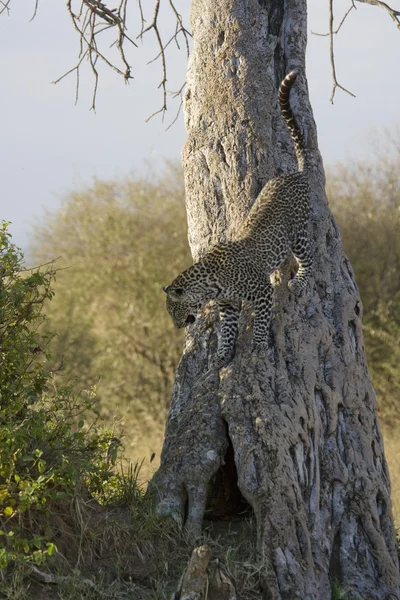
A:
(183, 311)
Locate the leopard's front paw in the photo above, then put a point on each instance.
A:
(222, 359)
(260, 349)
(296, 286)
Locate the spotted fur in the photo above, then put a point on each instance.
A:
(240, 269)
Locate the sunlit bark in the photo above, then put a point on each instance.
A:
(302, 422)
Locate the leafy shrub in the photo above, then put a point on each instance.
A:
(48, 448)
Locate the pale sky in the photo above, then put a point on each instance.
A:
(49, 146)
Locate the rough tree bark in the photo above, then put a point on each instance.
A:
(302, 422)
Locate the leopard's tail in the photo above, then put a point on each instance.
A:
(290, 120)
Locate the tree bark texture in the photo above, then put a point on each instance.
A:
(302, 422)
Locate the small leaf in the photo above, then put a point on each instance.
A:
(51, 548)
(8, 511)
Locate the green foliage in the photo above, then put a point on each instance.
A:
(48, 448)
(365, 199)
(118, 243)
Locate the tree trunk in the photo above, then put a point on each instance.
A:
(302, 423)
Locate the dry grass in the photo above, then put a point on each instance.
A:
(145, 447)
(130, 553)
(116, 553)
(392, 452)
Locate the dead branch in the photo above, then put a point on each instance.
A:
(175, 95)
(394, 14)
(90, 22)
(340, 24)
(154, 25)
(93, 20)
(44, 577)
(4, 6)
(180, 29)
(331, 33)
(35, 10)
(336, 84)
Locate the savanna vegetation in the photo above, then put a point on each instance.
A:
(117, 244)
(365, 199)
(108, 348)
(74, 521)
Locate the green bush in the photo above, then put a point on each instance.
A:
(50, 442)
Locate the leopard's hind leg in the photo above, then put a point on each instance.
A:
(262, 317)
(302, 252)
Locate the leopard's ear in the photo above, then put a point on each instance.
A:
(175, 293)
(166, 288)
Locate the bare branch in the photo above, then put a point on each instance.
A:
(394, 14)
(331, 33)
(174, 95)
(102, 11)
(35, 10)
(162, 47)
(51, 578)
(181, 27)
(93, 60)
(142, 19)
(4, 6)
(154, 25)
(341, 22)
(332, 56)
(83, 55)
(93, 20)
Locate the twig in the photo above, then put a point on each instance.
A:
(4, 6)
(35, 10)
(341, 22)
(92, 20)
(336, 84)
(179, 29)
(331, 33)
(76, 68)
(102, 11)
(142, 19)
(174, 95)
(154, 25)
(51, 578)
(179, 22)
(46, 264)
(394, 14)
(93, 61)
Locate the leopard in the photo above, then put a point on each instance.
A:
(240, 269)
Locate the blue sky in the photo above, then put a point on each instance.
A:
(49, 146)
